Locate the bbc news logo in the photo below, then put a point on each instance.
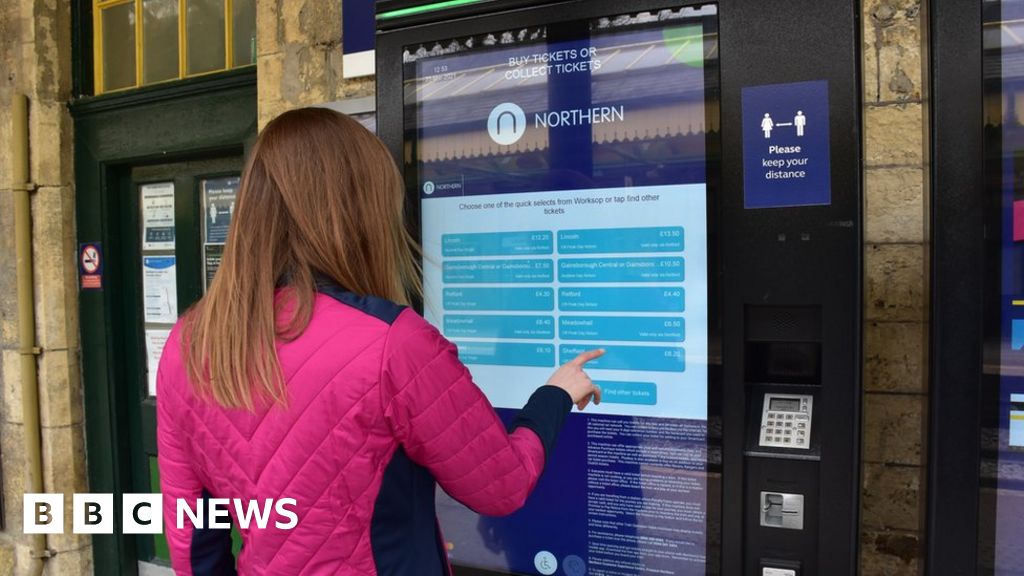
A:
(143, 513)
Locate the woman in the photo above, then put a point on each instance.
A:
(302, 374)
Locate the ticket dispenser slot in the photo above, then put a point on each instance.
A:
(776, 567)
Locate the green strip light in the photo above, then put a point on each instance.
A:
(423, 8)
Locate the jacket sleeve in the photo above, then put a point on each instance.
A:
(446, 424)
(194, 552)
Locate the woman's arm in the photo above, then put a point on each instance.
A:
(446, 424)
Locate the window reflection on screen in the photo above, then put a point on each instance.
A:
(1001, 522)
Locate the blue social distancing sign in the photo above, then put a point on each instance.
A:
(786, 145)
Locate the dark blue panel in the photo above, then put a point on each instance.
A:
(558, 519)
(403, 533)
(358, 26)
(786, 145)
(211, 549)
(545, 414)
(379, 308)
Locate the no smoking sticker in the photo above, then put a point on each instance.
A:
(90, 266)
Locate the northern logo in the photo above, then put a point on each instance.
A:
(506, 124)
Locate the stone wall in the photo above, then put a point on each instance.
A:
(299, 56)
(895, 370)
(35, 59)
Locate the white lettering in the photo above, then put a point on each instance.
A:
(245, 516)
(579, 116)
(183, 509)
(279, 507)
(219, 509)
(783, 149)
(784, 174)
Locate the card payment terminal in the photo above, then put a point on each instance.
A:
(786, 421)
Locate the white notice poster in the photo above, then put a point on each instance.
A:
(160, 289)
(155, 340)
(158, 216)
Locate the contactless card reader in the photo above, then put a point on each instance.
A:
(786, 421)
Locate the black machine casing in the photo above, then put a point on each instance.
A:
(789, 305)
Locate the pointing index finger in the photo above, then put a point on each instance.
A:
(587, 356)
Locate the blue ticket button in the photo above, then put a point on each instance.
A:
(488, 326)
(659, 269)
(507, 354)
(642, 358)
(497, 243)
(515, 299)
(498, 271)
(621, 240)
(644, 393)
(623, 328)
(667, 299)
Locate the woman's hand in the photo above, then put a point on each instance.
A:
(571, 378)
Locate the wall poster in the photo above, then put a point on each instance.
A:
(219, 196)
(157, 216)
(160, 289)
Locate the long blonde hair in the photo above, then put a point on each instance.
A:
(320, 196)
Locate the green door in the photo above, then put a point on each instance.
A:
(183, 133)
(177, 216)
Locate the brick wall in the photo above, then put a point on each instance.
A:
(895, 289)
(299, 56)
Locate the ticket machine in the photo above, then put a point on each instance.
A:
(677, 183)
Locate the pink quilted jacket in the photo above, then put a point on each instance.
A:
(379, 409)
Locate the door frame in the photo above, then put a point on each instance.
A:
(179, 121)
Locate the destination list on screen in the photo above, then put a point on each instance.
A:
(521, 292)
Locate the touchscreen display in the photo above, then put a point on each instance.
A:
(562, 177)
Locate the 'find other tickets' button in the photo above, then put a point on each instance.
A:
(645, 393)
